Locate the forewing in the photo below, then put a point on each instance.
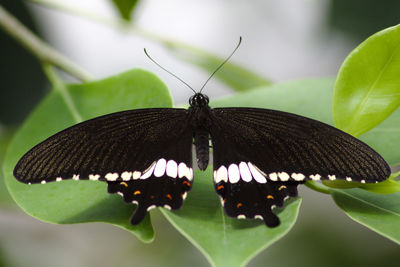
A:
(117, 146)
(260, 156)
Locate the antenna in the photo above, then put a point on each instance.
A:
(223, 63)
(168, 71)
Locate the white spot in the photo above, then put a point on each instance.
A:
(233, 173)
(160, 168)
(256, 174)
(241, 216)
(245, 172)
(273, 207)
(136, 175)
(111, 176)
(151, 207)
(168, 207)
(119, 193)
(363, 181)
(283, 176)
(221, 175)
(273, 176)
(75, 177)
(43, 182)
(184, 195)
(285, 198)
(298, 176)
(315, 177)
(58, 179)
(222, 201)
(94, 177)
(29, 183)
(183, 170)
(258, 217)
(190, 174)
(332, 177)
(149, 171)
(172, 169)
(135, 202)
(126, 176)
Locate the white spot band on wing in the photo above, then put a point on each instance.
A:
(245, 172)
(257, 174)
(111, 176)
(221, 175)
(172, 169)
(126, 176)
(149, 171)
(160, 168)
(233, 173)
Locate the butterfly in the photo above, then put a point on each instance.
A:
(260, 156)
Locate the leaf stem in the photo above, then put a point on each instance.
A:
(394, 175)
(317, 187)
(59, 86)
(39, 48)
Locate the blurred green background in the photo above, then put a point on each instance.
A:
(322, 236)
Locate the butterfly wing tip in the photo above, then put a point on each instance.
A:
(17, 175)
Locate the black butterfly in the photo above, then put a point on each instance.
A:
(259, 156)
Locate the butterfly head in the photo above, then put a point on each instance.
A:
(198, 100)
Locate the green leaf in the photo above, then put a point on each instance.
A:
(83, 201)
(223, 240)
(380, 213)
(367, 88)
(125, 7)
(237, 77)
(386, 187)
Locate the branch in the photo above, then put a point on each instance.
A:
(60, 86)
(39, 48)
(118, 24)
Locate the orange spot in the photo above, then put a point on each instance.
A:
(124, 184)
(270, 197)
(282, 187)
(220, 187)
(186, 183)
(137, 192)
(152, 197)
(239, 205)
(169, 196)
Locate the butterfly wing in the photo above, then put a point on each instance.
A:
(260, 156)
(144, 155)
